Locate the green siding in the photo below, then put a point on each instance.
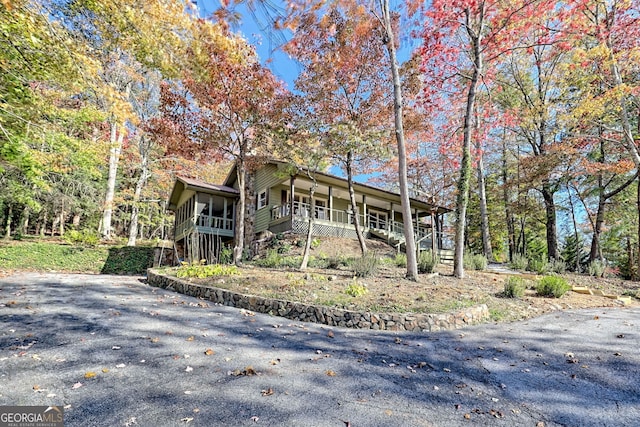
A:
(266, 178)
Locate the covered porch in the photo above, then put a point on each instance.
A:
(204, 218)
(379, 213)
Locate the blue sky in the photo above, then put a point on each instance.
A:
(256, 30)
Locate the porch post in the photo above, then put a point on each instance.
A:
(224, 213)
(365, 222)
(434, 246)
(292, 189)
(390, 222)
(330, 203)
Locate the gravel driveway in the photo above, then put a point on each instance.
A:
(114, 351)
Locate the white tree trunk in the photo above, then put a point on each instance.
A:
(410, 245)
(114, 157)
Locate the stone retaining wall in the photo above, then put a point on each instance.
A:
(326, 315)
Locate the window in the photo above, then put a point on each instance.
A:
(263, 199)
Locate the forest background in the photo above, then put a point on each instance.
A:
(522, 116)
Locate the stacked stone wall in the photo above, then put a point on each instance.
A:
(321, 314)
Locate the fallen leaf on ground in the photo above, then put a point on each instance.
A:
(105, 370)
(189, 369)
(76, 385)
(187, 419)
(209, 352)
(388, 412)
(275, 361)
(90, 374)
(331, 373)
(36, 387)
(267, 392)
(191, 338)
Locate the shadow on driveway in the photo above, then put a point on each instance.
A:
(115, 351)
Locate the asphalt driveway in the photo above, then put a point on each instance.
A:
(114, 351)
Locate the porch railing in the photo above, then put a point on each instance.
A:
(215, 222)
(303, 210)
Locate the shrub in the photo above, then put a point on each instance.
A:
(537, 265)
(478, 262)
(355, 289)
(225, 256)
(200, 270)
(365, 266)
(336, 261)
(514, 287)
(552, 286)
(597, 268)
(427, 262)
(315, 243)
(557, 266)
(318, 262)
(518, 262)
(401, 260)
(272, 260)
(82, 237)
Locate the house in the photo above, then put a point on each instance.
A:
(280, 202)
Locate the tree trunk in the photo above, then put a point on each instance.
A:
(410, 245)
(484, 215)
(462, 198)
(7, 232)
(26, 213)
(114, 157)
(62, 216)
(142, 181)
(354, 204)
(595, 252)
(43, 229)
(576, 236)
(238, 249)
(307, 245)
(550, 209)
(511, 228)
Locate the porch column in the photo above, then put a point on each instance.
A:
(194, 212)
(365, 222)
(434, 246)
(292, 189)
(330, 203)
(225, 214)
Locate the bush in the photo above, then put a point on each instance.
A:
(401, 260)
(519, 262)
(552, 286)
(557, 266)
(427, 262)
(365, 266)
(201, 271)
(272, 260)
(597, 268)
(514, 287)
(474, 262)
(82, 237)
(538, 266)
(355, 289)
(225, 256)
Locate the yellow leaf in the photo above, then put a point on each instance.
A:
(90, 374)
